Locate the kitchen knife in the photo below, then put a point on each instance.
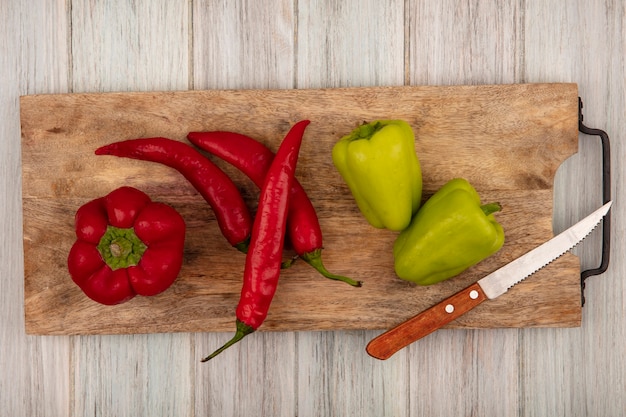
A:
(489, 287)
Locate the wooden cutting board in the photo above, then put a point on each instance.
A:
(507, 140)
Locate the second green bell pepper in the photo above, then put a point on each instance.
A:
(379, 164)
(451, 232)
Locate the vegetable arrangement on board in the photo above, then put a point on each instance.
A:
(128, 245)
(448, 234)
(254, 160)
(212, 183)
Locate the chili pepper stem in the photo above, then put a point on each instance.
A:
(315, 260)
(243, 246)
(491, 208)
(287, 264)
(242, 331)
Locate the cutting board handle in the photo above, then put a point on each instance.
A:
(606, 197)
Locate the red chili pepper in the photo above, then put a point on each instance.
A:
(126, 245)
(263, 260)
(254, 159)
(209, 180)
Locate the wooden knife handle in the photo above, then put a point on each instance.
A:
(426, 322)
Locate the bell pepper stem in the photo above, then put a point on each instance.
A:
(491, 208)
(242, 331)
(121, 248)
(315, 260)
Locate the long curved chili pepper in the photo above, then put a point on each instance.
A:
(264, 257)
(254, 159)
(233, 216)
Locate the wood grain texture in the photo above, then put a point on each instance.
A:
(243, 44)
(513, 120)
(34, 372)
(344, 44)
(133, 375)
(328, 377)
(256, 377)
(456, 43)
(66, 45)
(465, 372)
(464, 42)
(373, 32)
(122, 46)
(130, 45)
(581, 372)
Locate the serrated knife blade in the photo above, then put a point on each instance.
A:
(489, 287)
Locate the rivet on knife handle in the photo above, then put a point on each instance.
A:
(388, 343)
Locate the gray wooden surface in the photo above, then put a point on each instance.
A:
(49, 46)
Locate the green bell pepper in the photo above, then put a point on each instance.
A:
(451, 232)
(379, 164)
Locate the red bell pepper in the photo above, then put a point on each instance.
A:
(126, 245)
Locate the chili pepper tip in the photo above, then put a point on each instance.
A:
(242, 331)
(104, 150)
